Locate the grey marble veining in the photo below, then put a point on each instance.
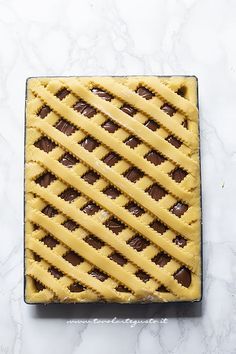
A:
(86, 37)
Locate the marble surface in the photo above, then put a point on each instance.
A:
(85, 37)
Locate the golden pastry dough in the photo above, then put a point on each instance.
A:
(112, 190)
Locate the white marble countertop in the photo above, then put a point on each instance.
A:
(85, 37)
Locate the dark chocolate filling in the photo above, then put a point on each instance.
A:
(174, 141)
(134, 209)
(65, 127)
(118, 258)
(110, 126)
(155, 158)
(55, 272)
(126, 108)
(133, 174)
(90, 177)
(101, 93)
(183, 276)
(178, 174)
(89, 144)
(70, 225)
(94, 241)
(158, 226)
(73, 258)
(68, 160)
(180, 241)
(144, 92)
(96, 273)
(132, 142)
(111, 159)
(90, 208)
(179, 209)
(168, 109)
(49, 211)
(142, 275)
(62, 93)
(114, 225)
(45, 179)
(76, 288)
(69, 195)
(152, 125)
(138, 243)
(111, 192)
(156, 192)
(161, 259)
(85, 109)
(50, 241)
(45, 144)
(43, 112)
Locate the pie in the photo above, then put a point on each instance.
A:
(112, 190)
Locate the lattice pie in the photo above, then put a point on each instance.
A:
(112, 190)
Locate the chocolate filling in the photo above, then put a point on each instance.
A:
(178, 174)
(134, 209)
(122, 289)
(152, 125)
(73, 258)
(118, 258)
(90, 177)
(37, 258)
(162, 289)
(144, 92)
(50, 241)
(183, 276)
(114, 225)
(161, 259)
(111, 192)
(89, 144)
(173, 141)
(96, 273)
(76, 288)
(101, 93)
(110, 126)
(179, 209)
(65, 127)
(132, 142)
(94, 241)
(62, 93)
(185, 124)
(70, 225)
(155, 158)
(55, 272)
(45, 144)
(138, 243)
(111, 159)
(158, 226)
(133, 174)
(45, 179)
(181, 91)
(126, 108)
(43, 112)
(168, 109)
(68, 160)
(38, 285)
(85, 109)
(180, 241)
(142, 275)
(49, 211)
(69, 195)
(90, 208)
(156, 192)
